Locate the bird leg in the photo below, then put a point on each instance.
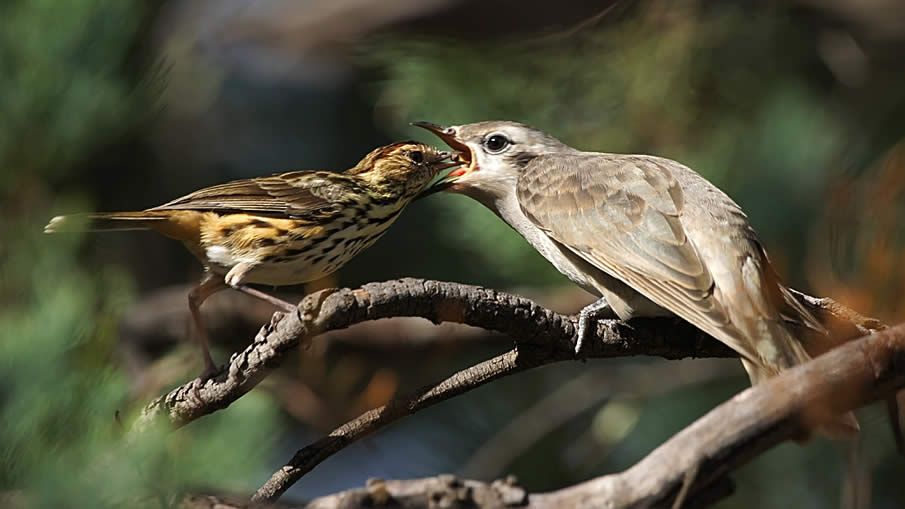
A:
(279, 303)
(234, 279)
(594, 311)
(209, 285)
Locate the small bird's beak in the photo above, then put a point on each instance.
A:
(462, 157)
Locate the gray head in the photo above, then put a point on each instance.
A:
(493, 153)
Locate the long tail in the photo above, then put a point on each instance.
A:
(841, 427)
(105, 221)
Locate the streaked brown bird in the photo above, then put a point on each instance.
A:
(647, 235)
(284, 229)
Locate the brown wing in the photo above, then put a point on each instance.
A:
(622, 215)
(294, 194)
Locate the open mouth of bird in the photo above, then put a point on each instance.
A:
(461, 155)
(462, 158)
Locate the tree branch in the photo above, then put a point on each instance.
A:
(542, 336)
(701, 455)
(781, 408)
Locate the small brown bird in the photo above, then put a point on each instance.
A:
(647, 235)
(283, 229)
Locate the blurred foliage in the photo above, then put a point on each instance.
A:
(758, 100)
(63, 443)
(55, 80)
(67, 87)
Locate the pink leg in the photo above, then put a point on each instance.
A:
(279, 303)
(234, 279)
(210, 284)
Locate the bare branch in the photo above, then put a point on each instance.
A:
(543, 337)
(614, 338)
(444, 490)
(753, 421)
(700, 456)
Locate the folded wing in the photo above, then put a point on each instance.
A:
(622, 215)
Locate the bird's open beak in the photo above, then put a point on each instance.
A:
(461, 156)
(454, 160)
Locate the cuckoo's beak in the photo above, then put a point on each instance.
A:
(462, 156)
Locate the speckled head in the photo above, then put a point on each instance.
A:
(404, 168)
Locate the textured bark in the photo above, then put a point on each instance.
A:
(700, 456)
(697, 460)
(542, 337)
(446, 490)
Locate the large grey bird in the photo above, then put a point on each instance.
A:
(647, 235)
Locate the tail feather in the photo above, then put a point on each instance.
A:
(791, 353)
(104, 221)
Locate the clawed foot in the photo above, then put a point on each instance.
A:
(588, 315)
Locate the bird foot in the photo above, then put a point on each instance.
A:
(594, 311)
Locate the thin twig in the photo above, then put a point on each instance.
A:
(557, 333)
(541, 335)
(726, 438)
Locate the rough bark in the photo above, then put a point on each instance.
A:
(542, 337)
(697, 460)
(699, 457)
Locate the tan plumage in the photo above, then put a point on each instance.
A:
(282, 229)
(646, 234)
(647, 240)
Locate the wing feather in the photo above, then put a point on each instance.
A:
(633, 205)
(294, 194)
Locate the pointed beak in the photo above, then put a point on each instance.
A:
(462, 157)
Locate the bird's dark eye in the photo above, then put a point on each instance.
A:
(496, 143)
(417, 156)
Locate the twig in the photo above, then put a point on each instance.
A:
(542, 337)
(727, 437)
(544, 333)
(613, 338)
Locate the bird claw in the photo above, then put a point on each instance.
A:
(582, 332)
(594, 311)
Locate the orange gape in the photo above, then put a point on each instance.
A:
(283, 229)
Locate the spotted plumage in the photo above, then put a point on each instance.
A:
(282, 229)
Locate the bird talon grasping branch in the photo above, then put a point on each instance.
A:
(592, 312)
(284, 229)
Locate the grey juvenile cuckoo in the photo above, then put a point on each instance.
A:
(647, 235)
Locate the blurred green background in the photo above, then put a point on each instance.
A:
(796, 109)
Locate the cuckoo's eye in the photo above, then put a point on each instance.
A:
(496, 143)
(417, 156)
